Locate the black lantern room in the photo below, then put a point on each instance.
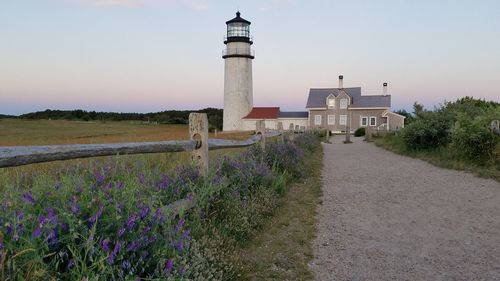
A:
(238, 30)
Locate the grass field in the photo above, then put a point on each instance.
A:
(15, 132)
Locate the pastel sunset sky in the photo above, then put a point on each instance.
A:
(153, 55)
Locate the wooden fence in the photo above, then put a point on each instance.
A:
(198, 144)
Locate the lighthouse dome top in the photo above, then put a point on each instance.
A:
(238, 19)
(238, 30)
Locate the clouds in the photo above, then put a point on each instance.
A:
(197, 5)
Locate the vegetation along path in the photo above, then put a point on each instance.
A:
(389, 217)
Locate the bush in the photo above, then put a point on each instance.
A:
(359, 132)
(473, 140)
(427, 133)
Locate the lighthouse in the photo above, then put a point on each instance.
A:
(238, 56)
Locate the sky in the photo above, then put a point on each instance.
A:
(154, 55)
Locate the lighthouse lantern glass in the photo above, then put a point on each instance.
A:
(238, 29)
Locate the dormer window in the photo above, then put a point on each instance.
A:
(331, 102)
(343, 103)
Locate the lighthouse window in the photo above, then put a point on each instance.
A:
(238, 30)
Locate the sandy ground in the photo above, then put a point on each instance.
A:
(389, 217)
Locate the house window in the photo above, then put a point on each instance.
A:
(343, 120)
(331, 119)
(373, 121)
(364, 121)
(317, 119)
(331, 103)
(343, 103)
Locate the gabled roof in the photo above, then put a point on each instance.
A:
(263, 113)
(317, 98)
(294, 114)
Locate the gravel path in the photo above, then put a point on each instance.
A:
(389, 217)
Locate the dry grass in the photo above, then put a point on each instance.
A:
(45, 132)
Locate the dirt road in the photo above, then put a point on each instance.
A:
(389, 217)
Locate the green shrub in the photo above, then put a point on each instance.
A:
(473, 140)
(359, 132)
(427, 133)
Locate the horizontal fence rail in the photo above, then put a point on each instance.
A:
(11, 156)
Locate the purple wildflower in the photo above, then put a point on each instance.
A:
(119, 185)
(98, 177)
(20, 215)
(126, 264)
(9, 228)
(164, 182)
(1, 245)
(105, 245)
(37, 232)
(180, 224)
(169, 265)
(131, 221)
(71, 263)
(121, 231)
(185, 235)
(180, 245)
(75, 208)
(93, 219)
(182, 270)
(132, 247)
(144, 212)
(114, 253)
(145, 230)
(28, 197)
(52, 238)
(140, 177)
(158, 215)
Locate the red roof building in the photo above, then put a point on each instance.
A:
(263, 113)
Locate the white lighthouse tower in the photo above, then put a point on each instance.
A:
(238, 90)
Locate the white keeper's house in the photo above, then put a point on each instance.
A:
(327, 108)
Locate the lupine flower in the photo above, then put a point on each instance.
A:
(114, 253)
(132, 247)
(37, 232)
(182, 270)
(98, 177)
(180, 224)
(9, 227)
(144, 212)
(75, 209)
(180, 245)
(93, 219)
(164, 182)
(1, 245)
(71, 263)
(105, 245)
(52, 238)
(185, 235)
(169, 265)
(28, 197)
(119, 185)
(131, 221)
(121, 231)
(126, 264)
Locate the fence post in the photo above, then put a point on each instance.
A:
(261, 129)
(198, 131)
(348, 134)
(495, 127)
(280, 130)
